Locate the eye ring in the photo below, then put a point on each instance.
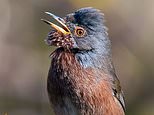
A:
(80, 32)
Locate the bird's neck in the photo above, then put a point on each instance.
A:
(96, 59)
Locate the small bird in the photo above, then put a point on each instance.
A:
(81, 78)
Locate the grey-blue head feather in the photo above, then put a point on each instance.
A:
(90, 18)
(94, 48)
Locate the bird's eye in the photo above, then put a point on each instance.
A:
(80, 32)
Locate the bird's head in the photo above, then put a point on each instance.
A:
(82, 30)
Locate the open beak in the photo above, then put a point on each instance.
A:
(63, 29)
(66, 41)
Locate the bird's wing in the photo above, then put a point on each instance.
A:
(117, 91)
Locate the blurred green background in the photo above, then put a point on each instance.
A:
(24, 57)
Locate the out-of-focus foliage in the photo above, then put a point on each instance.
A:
(24, 60)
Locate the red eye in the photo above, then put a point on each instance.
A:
(80, 32)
